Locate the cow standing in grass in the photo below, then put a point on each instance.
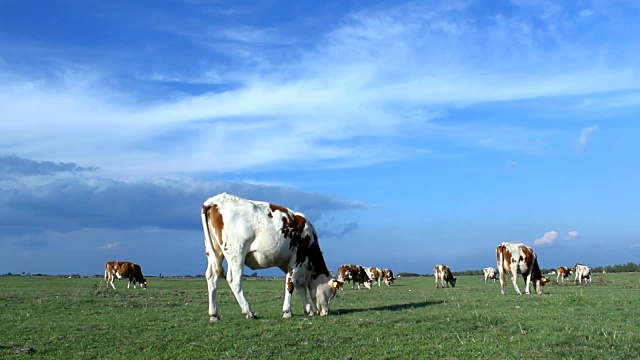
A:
(582, 274)
(443, 275)
(261, 235)
(563, 273)
(490, 273)
(519, 259)
(124, 270)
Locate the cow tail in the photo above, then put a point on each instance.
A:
(500, 260)
(208, 241)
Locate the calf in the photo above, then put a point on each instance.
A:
(444, 276)
(124, 269)
(490, 273)
(355, 274)
(261, 235)
(519, 259)
(563, 273)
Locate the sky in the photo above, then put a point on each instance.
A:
(410, 133)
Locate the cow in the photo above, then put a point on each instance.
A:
(490, 273)
(379, 275)
(355, 274)
(582, 274)
(443, 275)
(389, 278)
(563, 273)
(262, 235)
(519, 259)
(124, 269)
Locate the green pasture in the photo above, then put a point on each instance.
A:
(61, 318)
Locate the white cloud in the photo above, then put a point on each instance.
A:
(584, 135)
(512, 165)
(571, 235)
(109, 246)
(365, 78)
(548, 238)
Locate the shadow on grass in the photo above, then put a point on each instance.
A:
(396, 307)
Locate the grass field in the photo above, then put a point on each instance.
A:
(55, 318)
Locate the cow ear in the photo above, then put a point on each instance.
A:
(335, 283)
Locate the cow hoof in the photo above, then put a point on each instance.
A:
(250, 316)
(286, 314)
(214, 319)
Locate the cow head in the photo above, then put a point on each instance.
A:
(453, 282)
(540, 283)
(368, 284)
(143, 283)
(323, 291)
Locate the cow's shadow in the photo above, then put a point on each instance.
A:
(395, 307)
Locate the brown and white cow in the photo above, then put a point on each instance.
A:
(490, 273)
(379, 275)
(563, 273)
(354, 274)
(519, 259)
(261, 235)
(388, 276)
(124, 270)
(582, 274)
(444, 276)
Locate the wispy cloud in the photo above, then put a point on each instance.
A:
(571, 235)
(584, 137)
(14, 165)
(512, 165)
(373, 77)
(548, 238)
(109, 246)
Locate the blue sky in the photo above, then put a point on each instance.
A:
(410, 133)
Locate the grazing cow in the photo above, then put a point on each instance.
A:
(124, 269)
(444, 276)
(582, 273)
(490, 273)
(388, 276)
(379, 275)
(519, 259)
(563, 273)
(261, 235)
(355, 274)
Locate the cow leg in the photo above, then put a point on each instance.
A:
(514, 277)
(502, 283)
(302, 292)
(213, 274)
(436, 281)
(234, 278)
(288, 290)
(527, 280)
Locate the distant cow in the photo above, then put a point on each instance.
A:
(444, 276)
(563, 273)
(380, 275)
(519, 259)
(261, 235)
(355, 274)
(582, 274)
(389, 278)
(490, 273)
(124, 270)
